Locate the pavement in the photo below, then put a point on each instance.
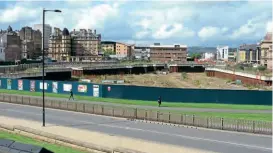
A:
(163, 108)
(134, 134)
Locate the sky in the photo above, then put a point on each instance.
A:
(191, 23)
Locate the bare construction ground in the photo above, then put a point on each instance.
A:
(176, 80)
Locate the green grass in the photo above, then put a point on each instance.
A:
(27, 140)
(144, 103)
(245, 116)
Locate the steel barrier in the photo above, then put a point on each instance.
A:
(249, 126)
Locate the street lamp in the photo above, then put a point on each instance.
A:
(43, 52)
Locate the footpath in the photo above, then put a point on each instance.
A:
(163, 108)
(100, 139)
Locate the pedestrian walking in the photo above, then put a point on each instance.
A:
(159, 101)
(71, 95)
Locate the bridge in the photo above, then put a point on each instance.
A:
(77, 68)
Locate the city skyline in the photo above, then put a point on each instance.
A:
(190, 23)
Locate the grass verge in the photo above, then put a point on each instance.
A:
(144, 103)
(27, 140)
(227, 115)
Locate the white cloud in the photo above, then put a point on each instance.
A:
(162, 32)
(269, 26)
(141, 34)
(94, 17)
(158, 21)
(209, 32)
(17, 13)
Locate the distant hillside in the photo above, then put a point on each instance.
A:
(196, 49)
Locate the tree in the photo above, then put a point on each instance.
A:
(196, 55)
(108, 52)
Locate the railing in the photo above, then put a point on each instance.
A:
(250, 126)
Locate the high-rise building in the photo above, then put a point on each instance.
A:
(249, 53)
(222, 53)
(266, 53)
(10, 45)
(60, 45)
(167, 53)
(85, 42)
(31, 42)
(48, 31)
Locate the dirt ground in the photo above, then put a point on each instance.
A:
(175, 80)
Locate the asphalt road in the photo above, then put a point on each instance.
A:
(208, 140)
(168, 108)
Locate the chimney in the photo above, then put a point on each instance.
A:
(95, 31)
(74, 30)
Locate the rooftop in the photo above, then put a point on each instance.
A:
(167, 46)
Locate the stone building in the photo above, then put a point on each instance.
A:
(266, 53)
(48, 32)
(31, 43)
(60, 45)
(10, 45)
(85, 42)
(167, 53)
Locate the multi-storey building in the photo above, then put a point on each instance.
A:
(10, 45)
(222, 53)
(85, 43)
(249, 53)
(266, 54)
(120, 50)
(166, 53)
(60, 45)
(48, 32)
(142, 52)
(74, 46)
(208, 56)
(31, 42)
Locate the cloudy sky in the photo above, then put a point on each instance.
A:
(202, 23)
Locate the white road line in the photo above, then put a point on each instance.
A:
(118, 118)
(156, 132)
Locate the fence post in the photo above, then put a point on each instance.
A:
(9, 98)
(93, 109)
(193, 117)
(222, 123)
(136, 113)
(253, 126)
(237, 125)
(102, 110)
(113, 111)
(207, 122)
(157, 118)
(169, 117)
(123, 112)
(181, 119)
(146, 114)
(84, 108)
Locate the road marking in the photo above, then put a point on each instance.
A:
(118, 118)
(156, 132)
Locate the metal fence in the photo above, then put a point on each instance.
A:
(249, 126)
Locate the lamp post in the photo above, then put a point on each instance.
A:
(43, 59)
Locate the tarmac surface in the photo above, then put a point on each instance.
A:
(197, 138)
(184, 109)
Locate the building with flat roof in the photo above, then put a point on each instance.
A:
(249, 53)
(167, 53)
(48, 32)
(31, 43)
(222, 53)
(10, 45)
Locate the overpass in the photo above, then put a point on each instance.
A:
(77, 68)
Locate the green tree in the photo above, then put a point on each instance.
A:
(108, 52)
(196, 55)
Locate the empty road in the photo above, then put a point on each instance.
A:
(203, 139)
